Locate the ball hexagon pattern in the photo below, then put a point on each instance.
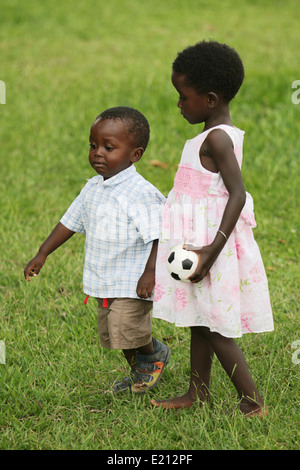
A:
(181, 263)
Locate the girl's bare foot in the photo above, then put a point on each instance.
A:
(183, 401)
(260, 412)
(250, 409)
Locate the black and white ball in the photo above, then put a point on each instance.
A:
(181, 263)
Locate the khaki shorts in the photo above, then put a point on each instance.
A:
(125, 323)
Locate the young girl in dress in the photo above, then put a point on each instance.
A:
(209, 211)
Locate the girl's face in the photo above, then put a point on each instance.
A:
(111, 148)
(194, 107)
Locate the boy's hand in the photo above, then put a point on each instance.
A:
(146, 284)
(34, 266)
(57, 237)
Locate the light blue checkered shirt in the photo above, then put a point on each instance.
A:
(120, 218)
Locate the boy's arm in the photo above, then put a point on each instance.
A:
(147, 280)
(57, 237)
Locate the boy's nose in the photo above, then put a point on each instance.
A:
(98, 152)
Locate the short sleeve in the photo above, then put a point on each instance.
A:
(146, 213)
(73, 217)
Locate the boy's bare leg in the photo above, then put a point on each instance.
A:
(130, 354)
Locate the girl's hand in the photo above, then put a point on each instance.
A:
(207, 256)
(34, 266)
(146, 284)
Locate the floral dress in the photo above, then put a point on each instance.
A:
(233, 298)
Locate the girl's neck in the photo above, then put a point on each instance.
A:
(216, 119)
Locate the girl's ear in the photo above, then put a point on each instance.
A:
(137, 154)
(212, 99)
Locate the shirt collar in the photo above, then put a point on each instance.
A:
(118, 178)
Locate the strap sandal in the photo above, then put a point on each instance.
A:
(150, 367)
(125, 384)
(148, 372)
(148, 377)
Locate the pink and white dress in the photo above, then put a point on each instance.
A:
(233, 298)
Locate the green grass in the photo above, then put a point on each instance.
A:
(63, 63)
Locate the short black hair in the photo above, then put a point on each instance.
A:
(211, 66)
(137, 124)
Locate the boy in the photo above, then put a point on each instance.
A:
(119, 212)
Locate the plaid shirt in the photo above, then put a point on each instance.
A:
(120, 218)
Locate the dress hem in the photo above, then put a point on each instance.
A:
(214, 330)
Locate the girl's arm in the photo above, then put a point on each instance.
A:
(147, 280)
(57, 237)
(220, 148)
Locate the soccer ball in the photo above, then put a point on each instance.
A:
(181, 263)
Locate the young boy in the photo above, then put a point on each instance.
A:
(119, 212)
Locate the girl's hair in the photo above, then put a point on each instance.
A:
(134, 120)
(211, 66)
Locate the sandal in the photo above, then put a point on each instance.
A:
(150, 367)
(125, 384)
(148, 372)
(148, 377)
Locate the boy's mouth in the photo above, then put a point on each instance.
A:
(99, 167)
(98, 164)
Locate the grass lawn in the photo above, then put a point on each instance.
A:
(62, 64)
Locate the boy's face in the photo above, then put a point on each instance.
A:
(111, 147)
(194, 107)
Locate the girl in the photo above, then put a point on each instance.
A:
(209, 211)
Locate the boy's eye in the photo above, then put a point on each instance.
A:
(108, 148)
(92, 146)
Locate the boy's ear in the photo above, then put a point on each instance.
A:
(137, 154)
